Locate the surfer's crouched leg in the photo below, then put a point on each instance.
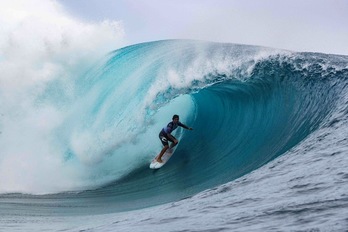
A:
(174, 143)
(158, 159)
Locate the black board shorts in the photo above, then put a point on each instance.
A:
(164, 138)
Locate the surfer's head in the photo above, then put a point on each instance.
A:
(175, 116)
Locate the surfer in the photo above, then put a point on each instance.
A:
(165, 136)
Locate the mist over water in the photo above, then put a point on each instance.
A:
(43, 52)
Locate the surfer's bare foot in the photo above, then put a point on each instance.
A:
(159, 160)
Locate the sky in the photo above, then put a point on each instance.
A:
(297, 25)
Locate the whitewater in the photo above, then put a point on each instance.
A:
(268, 151)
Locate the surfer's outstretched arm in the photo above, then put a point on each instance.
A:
(184, 126)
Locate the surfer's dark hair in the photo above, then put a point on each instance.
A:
(175, 116)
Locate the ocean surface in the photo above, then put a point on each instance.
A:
(269, 149)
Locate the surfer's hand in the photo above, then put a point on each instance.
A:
(190, 128)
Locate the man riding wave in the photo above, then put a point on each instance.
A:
(165, 136)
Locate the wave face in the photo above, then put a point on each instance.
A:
(247, 105)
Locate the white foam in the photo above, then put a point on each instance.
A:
(40, 42)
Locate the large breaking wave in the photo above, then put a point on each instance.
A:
(247, 105)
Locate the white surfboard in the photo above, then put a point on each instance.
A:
(166, 156)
